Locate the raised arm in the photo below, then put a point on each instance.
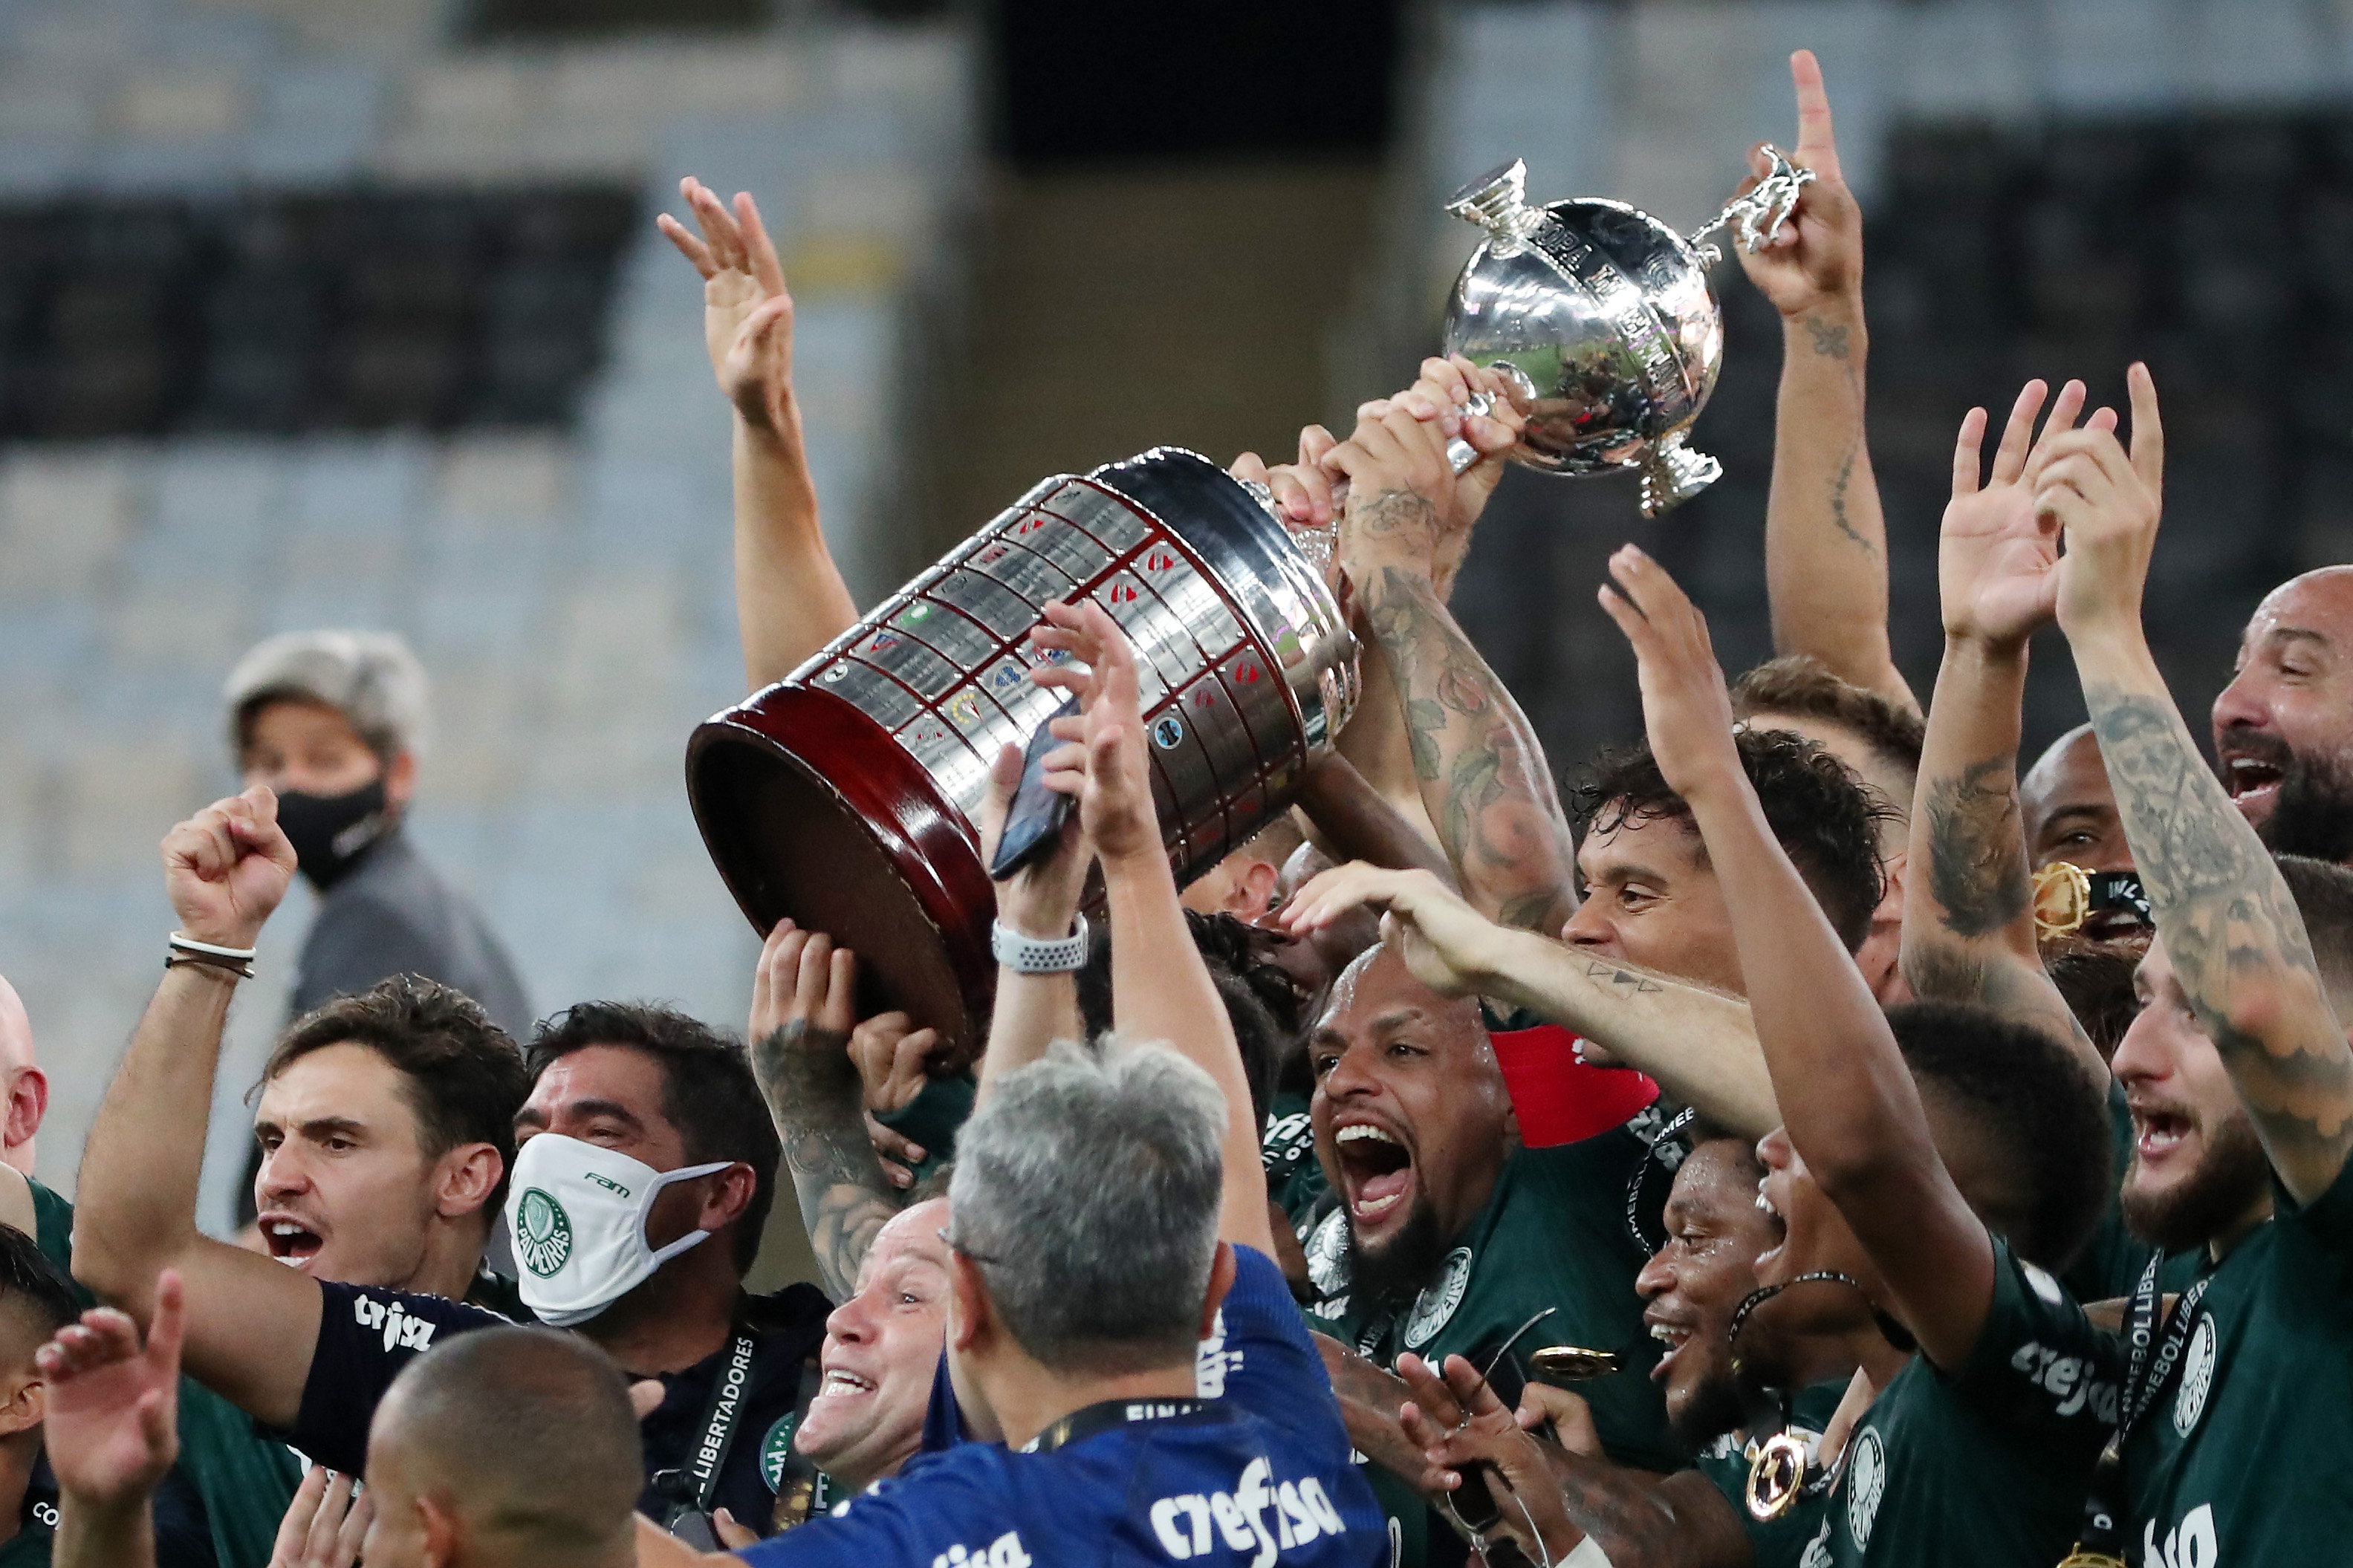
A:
(1847, 1099)
(109, 1430)
(2228, 924)
(251, 1321)
(1039, 901)
(801, 1020)
(1482, 771)
(1160, 989)
(1699, 1045)
(1825, 541)
(791, 600)
(1969, 924)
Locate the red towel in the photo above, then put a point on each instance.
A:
(1559, 1099)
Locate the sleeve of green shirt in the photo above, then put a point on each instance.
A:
(2042, 1373)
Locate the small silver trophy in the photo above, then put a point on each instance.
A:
(1606, 312)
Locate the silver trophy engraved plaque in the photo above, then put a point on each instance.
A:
(1607, 314)
(848, 796)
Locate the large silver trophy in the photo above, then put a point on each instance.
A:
(1605, 315)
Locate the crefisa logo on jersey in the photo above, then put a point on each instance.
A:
(1257, 1514)
(2197, 1377)
(1435, 1306)
(544, 1238)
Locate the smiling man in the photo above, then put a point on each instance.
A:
(2284, 727)
(881, 1352)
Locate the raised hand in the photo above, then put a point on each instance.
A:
(892, 1059)
(1687, 712)
(1461, 1426)
(1401, 493)
(1102, 763)
(1040, 900)
(1998, 553)
(803, 990)
(227, 869)
(1815, 258)
(1302, 491)
(2108, 504)
(747, 315)
(326, 1523)
(1442, 938)
(111, 1422)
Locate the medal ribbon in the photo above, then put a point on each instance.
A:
(2145, 1376)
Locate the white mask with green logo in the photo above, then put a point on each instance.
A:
(577, 1214)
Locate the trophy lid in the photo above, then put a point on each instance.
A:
(1497, 201)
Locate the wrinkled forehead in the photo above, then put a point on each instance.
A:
(2317, 605)
(913, 1234)
(1376, 992)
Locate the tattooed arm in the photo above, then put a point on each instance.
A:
(2228, 922)
(1700, 1046)
(800, 1054)
(1825, 541)
(1968, 923)
(1482, 771)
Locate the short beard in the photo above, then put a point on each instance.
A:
(1389, 1280)
(2230, 1179)
(1713, 1409)
(2313, 813)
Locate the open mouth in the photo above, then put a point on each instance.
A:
(1376, 1173)
(1765, 1207)
(2158, 1133)
(290, 1241)
(840, 1382)
(1674, 1336)
(2252, 784)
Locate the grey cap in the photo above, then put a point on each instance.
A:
(371, 678)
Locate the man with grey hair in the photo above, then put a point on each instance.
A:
(1109, 1217)
(334, 721)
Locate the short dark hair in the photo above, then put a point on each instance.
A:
(2324, 898)
(1802, 686)
(2095, 980)
(1826, 821)
(708, 1091)
(461, 1074)
(34, 1288)
(2030, 1096)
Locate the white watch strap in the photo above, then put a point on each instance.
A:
(1028, 956)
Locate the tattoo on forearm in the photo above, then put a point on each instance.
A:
(1391, 512)
(2230, 927)
(812, 1090)
(1498, 814)
(1829, 341)
(1638, 983)
(1977, 849)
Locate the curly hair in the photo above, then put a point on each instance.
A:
(708, 1091)
(1826, 821)
(2031, 1099)
(460, 1075)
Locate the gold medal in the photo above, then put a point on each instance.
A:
(1776, 1475)
(1573, 1363)
(2079, 1558)
(2063, 900)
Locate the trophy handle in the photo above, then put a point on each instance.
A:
(1672, 473)
(1760, 213)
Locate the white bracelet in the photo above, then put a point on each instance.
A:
(187, 944)
(1028, 956)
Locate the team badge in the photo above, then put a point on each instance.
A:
(543, 1234)
(1866, 1478)
(2197, 1377)
(1327, 1254)
(1435, 1306)
(777, 1447)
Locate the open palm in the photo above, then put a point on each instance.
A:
(109, 1424)
(1998, 558)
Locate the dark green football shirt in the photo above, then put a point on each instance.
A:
(29, 1547)
(1552, 1233)
(245, 1480)
(2243, 1457)
(1987, 1468)
(1294, 1177)
(1781, 1543)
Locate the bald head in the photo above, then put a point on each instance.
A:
(24, 1090)
(2069, 810)
(508, 1446)
(2284, 727)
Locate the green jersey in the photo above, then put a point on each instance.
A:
(29, 1547)
(2241, 1457)
(1780, 1542)
(1553, 1234)
(245, 1480)
(1986, 1468)
(1294, 1177)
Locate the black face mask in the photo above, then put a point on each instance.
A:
(333, 833)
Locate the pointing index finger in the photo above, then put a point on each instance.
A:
(1817, 149)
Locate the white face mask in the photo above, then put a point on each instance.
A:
(577, 1214)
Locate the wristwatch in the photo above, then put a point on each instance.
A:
(1028, 956)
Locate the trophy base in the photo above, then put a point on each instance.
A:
(807, 807)
(1672, 473)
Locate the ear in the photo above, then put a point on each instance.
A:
(28, 1102)
(400, 780)
(971, 1318)
(729, 1194)
(444, 1532)
(466, 1178)
(1221, 1279)
(24, 1401)
(1254, 890)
